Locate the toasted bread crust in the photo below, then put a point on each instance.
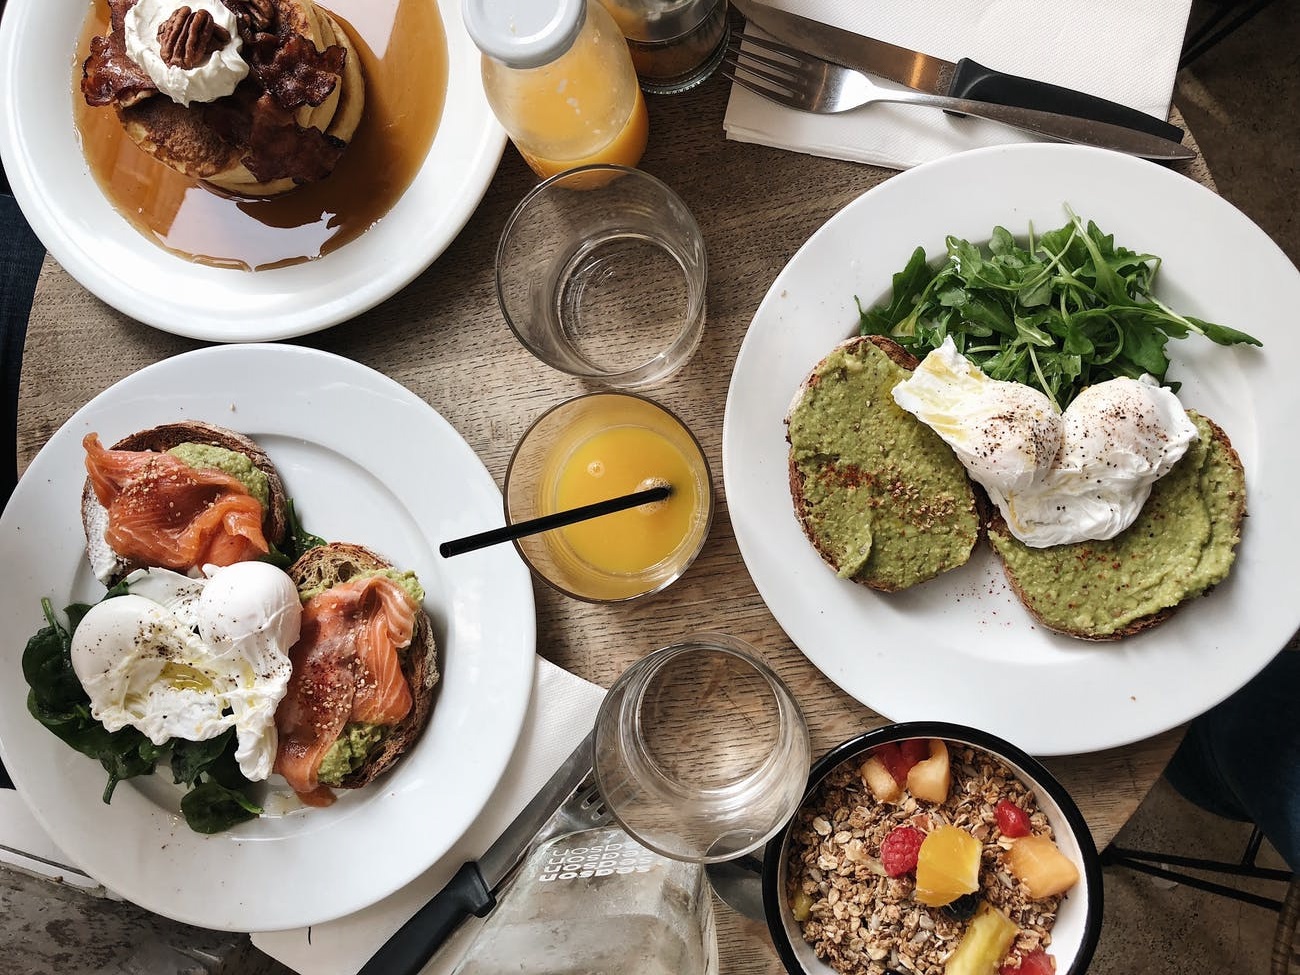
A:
(337, 562)
(802, 509)
(997, 525)
(275, 521)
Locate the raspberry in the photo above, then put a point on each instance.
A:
(1037, 962)
(1012, 820)
(900, 849)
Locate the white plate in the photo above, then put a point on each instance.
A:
(367, 461)
(961, 648)
(81, 230)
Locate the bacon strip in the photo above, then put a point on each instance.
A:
(162, 511)
(345, 668)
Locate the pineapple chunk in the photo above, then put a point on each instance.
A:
(987, 939)
(931, 778)
(1037, 863)
(880, 781)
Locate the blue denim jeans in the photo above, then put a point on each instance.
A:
(1241, 759)
(20, 263)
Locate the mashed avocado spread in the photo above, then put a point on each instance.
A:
(349, 753)
(887, 501)
(237, 465)
(1182, 543)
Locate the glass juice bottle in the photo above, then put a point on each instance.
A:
(560, 79)
(598, 902)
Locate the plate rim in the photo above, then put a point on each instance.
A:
(270, 308)
(892, 192)
(512, 685)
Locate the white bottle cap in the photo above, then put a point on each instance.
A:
(524, 33)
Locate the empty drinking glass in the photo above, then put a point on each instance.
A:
(701, 751)
(601, 274)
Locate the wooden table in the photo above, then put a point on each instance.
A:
(444, 338)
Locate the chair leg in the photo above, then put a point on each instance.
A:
(1199, 43)
(1284, 949)
(1158, 864)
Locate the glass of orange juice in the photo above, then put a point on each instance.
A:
(601, 273)
(596, 447)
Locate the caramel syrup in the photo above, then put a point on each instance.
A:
(403, 53)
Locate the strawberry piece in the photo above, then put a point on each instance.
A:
(1012, 820)
(1037, 962)
(900, 849)
(892, 758)
(899, 757)
(914, 750)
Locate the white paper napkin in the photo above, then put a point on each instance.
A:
(26, 847)
(1117, 49)
(562, 710)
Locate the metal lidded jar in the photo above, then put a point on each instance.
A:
(675, 44)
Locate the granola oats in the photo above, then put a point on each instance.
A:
(859, 920)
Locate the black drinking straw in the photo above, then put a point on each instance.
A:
(471, 543)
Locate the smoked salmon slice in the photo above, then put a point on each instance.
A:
(162, 511)
(345, 668)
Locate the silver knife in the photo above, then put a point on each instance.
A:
(473, 889)
(964, 79)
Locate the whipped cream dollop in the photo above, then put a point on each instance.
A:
(1056, 478)
(218, 76)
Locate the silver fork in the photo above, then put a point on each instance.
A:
(807, 83)
(584, 809)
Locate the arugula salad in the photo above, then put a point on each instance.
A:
(1069, 309)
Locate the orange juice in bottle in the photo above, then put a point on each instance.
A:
(560, 79)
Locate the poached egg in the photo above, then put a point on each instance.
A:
(188, 658)
(1057, 478)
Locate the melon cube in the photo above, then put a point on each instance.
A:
(880, 781)
(931, 778)
(1037, 863)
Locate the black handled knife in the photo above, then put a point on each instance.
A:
(473, 889)
(965, 79)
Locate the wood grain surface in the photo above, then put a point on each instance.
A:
(443, 338)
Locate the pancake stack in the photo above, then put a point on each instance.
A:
(287, 123)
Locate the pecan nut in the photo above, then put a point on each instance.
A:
(188, 38)
(256, 15)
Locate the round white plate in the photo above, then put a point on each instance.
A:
(367, 461)
(960, 647)
(81, 230)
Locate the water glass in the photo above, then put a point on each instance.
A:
(701, 751)
(601, 274)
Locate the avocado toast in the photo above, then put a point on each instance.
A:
(880, 496)
(1182, 543)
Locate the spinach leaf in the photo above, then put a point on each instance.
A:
(1070, 309)
(297, 541)
(57, 700)
(190, 758)
(210, 807)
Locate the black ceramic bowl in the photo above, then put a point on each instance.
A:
(1078, 920)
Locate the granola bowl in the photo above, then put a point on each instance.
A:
(935, 849)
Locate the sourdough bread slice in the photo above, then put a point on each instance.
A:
(327, 565)
(883, 500)
(1181, 544)
(111, 568)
